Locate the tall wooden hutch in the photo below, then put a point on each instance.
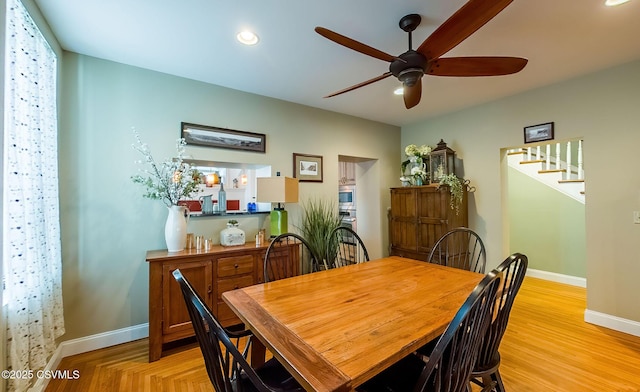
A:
(419, 216)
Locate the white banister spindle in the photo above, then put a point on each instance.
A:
(568, 177)
(580, 170)
(538, 153)
(528, 153)
(558, 156)
(548, 157)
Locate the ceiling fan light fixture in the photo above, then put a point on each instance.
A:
(410, 76)
(613, 3)
(399, 91)
(247, 37)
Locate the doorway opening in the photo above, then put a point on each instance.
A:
(543, 223)
(359, 199)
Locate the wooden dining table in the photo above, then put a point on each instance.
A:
(333, 330)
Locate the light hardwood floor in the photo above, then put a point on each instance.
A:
(547, 347)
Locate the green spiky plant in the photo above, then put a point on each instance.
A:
(319, 218)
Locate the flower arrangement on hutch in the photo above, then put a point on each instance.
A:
(169, 181)
(416, 162)
(434, 165)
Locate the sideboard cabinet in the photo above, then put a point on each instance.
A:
(419, 216)
(211, 273)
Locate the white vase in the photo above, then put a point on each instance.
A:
(175, 230)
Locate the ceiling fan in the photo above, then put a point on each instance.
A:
(410, 66)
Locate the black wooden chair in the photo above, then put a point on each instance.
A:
(460, 248)
(345, 247)
(228, 368)
(449, 365)
(288, 255)
(486, 372)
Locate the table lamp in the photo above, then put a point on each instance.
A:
(278, 190)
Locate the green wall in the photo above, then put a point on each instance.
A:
(547, 226)
(107, 226)
(601, 108)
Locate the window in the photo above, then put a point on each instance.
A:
(32, 268)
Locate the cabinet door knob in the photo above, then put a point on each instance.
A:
(235, 266)
(236, 287)
(209, 289)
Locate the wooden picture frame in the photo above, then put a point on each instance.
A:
(204, 135)
(307, 168)
(538, 133)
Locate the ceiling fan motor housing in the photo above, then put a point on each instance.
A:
(409, 68)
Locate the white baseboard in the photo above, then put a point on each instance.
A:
(90, 343)
(105, 339)
(612, 322)
(559, 278)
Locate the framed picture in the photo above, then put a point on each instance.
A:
(307, 168)
(203, 135)
(538, 133)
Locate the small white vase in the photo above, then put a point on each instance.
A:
(175, 230)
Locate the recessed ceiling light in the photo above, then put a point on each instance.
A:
(399, 91)
(612, 3)
(247, 37)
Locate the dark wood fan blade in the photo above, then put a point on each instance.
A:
(475, 66)
(412, 94)
(355, 45)
(367, 82)
(461, 25)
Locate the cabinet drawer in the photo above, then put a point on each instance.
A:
(233, 283)
(236, 265)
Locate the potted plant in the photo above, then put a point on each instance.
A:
(319, 218)
(169, 181)
(455, 185)
(417, 159)
(419, 175)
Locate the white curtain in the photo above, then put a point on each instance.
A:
(32, 266)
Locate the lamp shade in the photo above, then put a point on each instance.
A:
(277, 190)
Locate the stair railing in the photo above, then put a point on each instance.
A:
(553, 161)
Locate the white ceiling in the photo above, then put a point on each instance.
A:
(196, 39)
